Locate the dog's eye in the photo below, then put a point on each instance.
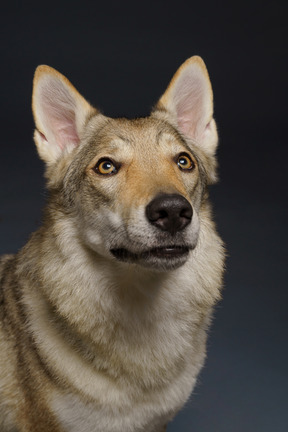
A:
(185, 162)
(106, 167)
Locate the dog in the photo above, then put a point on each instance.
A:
(105, 311)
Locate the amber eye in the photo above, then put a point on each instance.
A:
(185, 162)
(106, 167)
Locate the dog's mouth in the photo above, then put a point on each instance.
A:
(164, 254)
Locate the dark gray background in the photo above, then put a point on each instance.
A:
(121, 56)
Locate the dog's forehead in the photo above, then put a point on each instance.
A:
(142, 134)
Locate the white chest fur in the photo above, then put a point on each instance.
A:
(149, 414)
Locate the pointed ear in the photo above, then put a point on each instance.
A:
(60, 113)
(188, 101)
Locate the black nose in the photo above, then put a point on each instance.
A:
(169, 212)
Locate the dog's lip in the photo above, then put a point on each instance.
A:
(165, 252)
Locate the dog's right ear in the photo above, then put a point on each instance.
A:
(60, 113)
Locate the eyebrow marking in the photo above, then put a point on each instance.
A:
(122, 138)
(174, 133)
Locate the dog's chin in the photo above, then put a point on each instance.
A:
(161, 258)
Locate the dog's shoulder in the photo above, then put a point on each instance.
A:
(4, 259)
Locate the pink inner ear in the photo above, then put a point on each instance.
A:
(190, 96)
(64, 130)
(186, 125)
(189, 115)
(59, 111)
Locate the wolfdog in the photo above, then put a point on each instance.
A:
(105, 311)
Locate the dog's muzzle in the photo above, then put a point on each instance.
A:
(169, 214)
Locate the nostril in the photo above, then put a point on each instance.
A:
(153, 213)
(187, 212)
(162, 214)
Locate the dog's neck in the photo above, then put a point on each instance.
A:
(67, 265)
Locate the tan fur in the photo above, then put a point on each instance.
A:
(92, 340)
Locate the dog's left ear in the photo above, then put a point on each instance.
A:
(60, 114)
(188, 102)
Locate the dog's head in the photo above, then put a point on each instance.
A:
(134, 188)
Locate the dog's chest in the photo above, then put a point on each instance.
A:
(148, 413)
(75, 415)
(152, 352)
(150, 376)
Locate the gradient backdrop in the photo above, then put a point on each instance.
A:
(121, 56)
